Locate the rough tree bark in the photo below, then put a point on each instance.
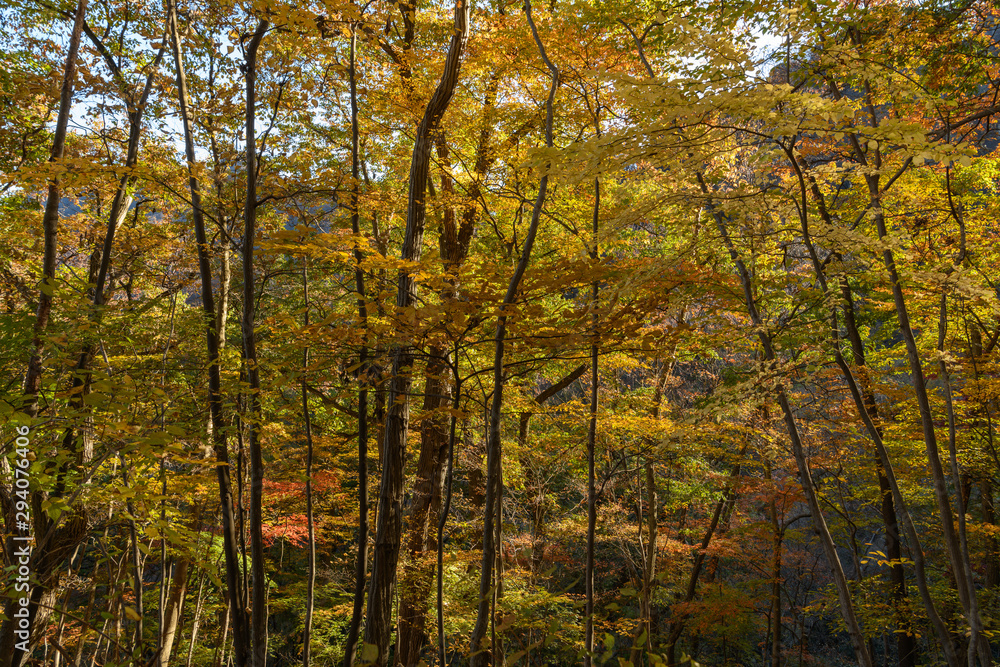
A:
(389, 528)
(434, 442)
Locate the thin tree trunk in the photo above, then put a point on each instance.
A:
(645, 626)
(389, 527)
(307, 418)
(446, 506)
(592, 444)
(237, 604)
(196, 622)
(643, 634)
(798, 450)
(259, 587)
(225, 281)
(905, 640)
(136, 563)
(87, 614)
(33, 375)
(50, 220)
(867, 409)
(480, 657)
(976, 630)
(720, 515)
(361, 563)
(220, 650)
(778, 534)
(173, 611)
(960, 566)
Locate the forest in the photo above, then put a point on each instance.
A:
(585, 332)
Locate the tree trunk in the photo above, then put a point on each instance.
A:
(310, 526)
(415, 586)
(446, 506)
(960, 566)
(361, 563)
(588, 658)
(798, 450)
(389, 527)
(480, 657)
(174, 609)
(196, 622)
(905, 640)
(454, 246)
(721, 514)
(644, 628)
(33, 375)
(237, 604)
(258, 623)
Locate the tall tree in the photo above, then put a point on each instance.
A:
(494, 458)
(389, 527)
(234, 590)
(33, 376)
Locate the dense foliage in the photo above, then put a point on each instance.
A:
(411, 333)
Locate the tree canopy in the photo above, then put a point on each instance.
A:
(414, 333)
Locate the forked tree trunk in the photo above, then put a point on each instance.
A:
(389, 528)
(434, 442)
(174, 609)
